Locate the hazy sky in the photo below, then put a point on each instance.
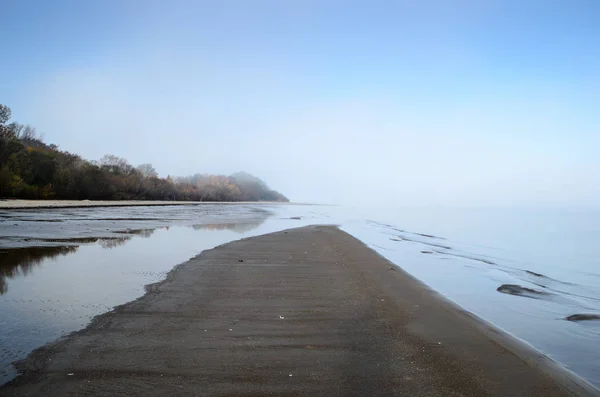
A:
(409, 102)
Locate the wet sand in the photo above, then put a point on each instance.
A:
(37, 204)
(305, 312)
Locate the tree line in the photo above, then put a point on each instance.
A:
(32, 169)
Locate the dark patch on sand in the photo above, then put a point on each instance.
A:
(514, 289)
(583, 317)
(535, 274)
(429, 236)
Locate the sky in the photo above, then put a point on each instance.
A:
(432, 103)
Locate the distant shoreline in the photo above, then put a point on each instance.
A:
(47, 204)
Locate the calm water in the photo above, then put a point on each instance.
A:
(478, 251)
(60, 268)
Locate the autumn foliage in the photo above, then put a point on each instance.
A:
(32, 169)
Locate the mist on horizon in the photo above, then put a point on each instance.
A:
(352, 103)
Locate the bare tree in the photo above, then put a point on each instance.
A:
(147, 170)
(4, 117)
(16, 129)
(4, 113)
(115, 164)
(29, 133)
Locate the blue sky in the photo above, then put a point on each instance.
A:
(422, 103)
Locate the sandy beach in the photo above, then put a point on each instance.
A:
(305, 312)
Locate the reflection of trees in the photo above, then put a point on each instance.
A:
(145, 233)
(20, 261)
(104, 242)
(112, 242)
(236, 227)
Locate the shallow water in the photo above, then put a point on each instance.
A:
(61, 267)
(54, 281)
(468, 255)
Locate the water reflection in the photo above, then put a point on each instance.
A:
(144, 233)
(112, 242)
(236, 227)
(56, 276)
(63, 294)
(105, 242)
(20, 261)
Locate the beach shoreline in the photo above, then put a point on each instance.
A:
(49, 204)
(307, 311)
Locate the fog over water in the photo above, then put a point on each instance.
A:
(431, 104)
